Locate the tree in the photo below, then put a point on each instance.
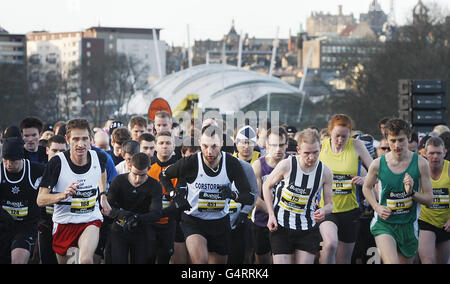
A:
(417, 51)
(111, 79)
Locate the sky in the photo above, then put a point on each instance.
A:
(207, 19)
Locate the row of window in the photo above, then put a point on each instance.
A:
(348, 49)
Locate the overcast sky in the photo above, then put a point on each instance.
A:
(206, 18)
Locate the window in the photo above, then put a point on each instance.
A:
(88, 44)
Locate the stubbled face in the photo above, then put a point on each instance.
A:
(163, 124)
(164, 147)
(137, 177)
(398, 143)
(79, 142)
(309, 153)
(148, 148)
(276, 146)
(435, 155)
(31, 138)
(137, 131)
(210, 147)
(54, 149)
(245, 148)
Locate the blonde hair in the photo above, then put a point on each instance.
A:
(309, 136)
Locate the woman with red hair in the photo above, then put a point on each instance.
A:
(342, 154)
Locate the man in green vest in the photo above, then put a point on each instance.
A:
(404, 178)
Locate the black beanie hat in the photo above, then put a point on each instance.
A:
(13, 148)
(12, 131)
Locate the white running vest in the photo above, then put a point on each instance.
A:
(295, 202)
(203, 193)
(82, 207)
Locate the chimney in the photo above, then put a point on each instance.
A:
(340, 10)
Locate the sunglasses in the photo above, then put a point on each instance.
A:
(385, 148)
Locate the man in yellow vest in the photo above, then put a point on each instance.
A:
(434, 221)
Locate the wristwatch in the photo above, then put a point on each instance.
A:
(103, 192)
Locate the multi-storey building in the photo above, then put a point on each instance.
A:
(12, 48)
(56, 55)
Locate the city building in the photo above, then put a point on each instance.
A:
(12, 48)
(319, 23)
(66, 55)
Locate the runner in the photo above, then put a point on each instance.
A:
(405, 181)
(19, 180)
(147, 144)
(341, 154)
(293, 217)
(209, 175)
(31, 128)
(135, 200)
(241, 247)
(128, 149)
(276, 145)
(165, 227)
(72, 181)
(434, 221)
(138, 126)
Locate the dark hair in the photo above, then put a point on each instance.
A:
(78, 123)
(140, 161)
(138, 120)
(211, 130)
(280, 131)
(163, 133)
(414, 137)
(31, 122)
(383, 121)
(58, 139)
(120, 135)
(435, 141)
(146, 137)
(395, 126)
(130, 147)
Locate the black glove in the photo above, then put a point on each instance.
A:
(122, 217)
(181, 203)
(240, 220)
(131, 223)
(226, 192)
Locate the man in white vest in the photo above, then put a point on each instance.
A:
(73, 180)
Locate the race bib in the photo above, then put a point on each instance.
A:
(17, 211)
(440, 198)
(294, 198)
(400, 205)
(342, 184)
(210, 202)
(84, 201)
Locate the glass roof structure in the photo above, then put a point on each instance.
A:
(224, 87)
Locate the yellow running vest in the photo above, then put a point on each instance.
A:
(343, 166)
(439, 212)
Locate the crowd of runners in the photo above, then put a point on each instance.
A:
(145, 191)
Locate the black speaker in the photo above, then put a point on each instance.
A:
(422, 102)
